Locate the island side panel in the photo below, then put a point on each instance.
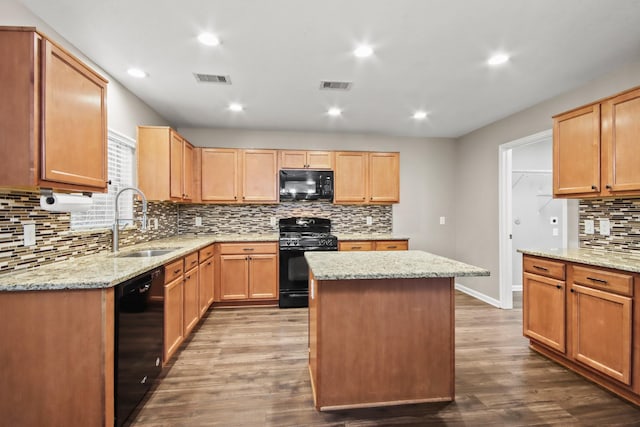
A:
(313, 335)
(384, 342)
(53, 358)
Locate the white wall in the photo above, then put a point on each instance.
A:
(476, 188)
(125, 111)
(426, 174)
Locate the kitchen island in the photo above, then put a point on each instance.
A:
(381, 327)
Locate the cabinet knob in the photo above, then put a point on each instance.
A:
(558, 286)
(594, 187)
(608, 186)
(572, 291)
(109, 182)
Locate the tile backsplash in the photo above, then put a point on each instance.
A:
(624, 218)
(257, 218)
(55, 241)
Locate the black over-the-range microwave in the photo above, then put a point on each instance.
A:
(302, 184)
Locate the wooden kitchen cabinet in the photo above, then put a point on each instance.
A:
(596, 149)
(392, 245)
(362, 177)
(206, 279)
(365, 245)
(373, 245)
(544, 314)
(165, 164)
(191, 293)
(173, 308)
(219, 175)
(52, 105)
(248, 271)
(299, 159)
(259, 176)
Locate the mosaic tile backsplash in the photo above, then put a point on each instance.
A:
(624, 218)
(256, 218)
(55, 241)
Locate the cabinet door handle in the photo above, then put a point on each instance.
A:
(597, 280)
(559, 286)
(594, 187)
(391, 247)
(608, 186)
(572, 291)
(176, 271)
(209, 263)
(541, 268)
(356, 247)
(248, 249)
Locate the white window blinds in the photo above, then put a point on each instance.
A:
(121, 157)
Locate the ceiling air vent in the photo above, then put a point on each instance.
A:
(327, 85)
(212, 78)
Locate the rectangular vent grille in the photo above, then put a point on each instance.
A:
(327, 85)
(212, 78)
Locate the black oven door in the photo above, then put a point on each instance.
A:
(294, 278)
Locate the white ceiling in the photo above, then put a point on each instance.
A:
(429, 54)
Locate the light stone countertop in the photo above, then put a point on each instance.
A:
(369, 236)
(104, 270)
(599, 258)
(386, 265)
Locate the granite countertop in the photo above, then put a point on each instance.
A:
(386, 265)
(369, 236)
(595, 257)
(104, 270)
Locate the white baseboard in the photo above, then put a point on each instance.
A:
(478, 295)
(517, 288)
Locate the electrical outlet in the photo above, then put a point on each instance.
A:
(555, 231)
(198, 221)
(605, 227)
(272, 221)
(369, 220)
(589, 226)
(29, 234)
(155, 223)
(443, 220)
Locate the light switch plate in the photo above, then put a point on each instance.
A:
(588, 226)
(198, 221)
(369, 220)
(443, 220)
(605, 227)
(272, 221)
(29, 234)
(555, 231)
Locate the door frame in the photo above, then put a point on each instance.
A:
(505, 208)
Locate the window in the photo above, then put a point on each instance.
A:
(121, 155)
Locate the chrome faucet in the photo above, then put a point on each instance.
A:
(116, 223)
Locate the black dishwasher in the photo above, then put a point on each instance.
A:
(139, 322)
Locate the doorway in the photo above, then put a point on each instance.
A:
(529, 215)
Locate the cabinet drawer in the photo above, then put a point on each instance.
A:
(173, 270)
(190, 261)
(206, 253)
(248, 248)
(356, 246)
(392, 245)
(602, 279)
(544, 267)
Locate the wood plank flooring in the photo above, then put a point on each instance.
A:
(248, 367)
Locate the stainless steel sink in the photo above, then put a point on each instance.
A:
(147, 253)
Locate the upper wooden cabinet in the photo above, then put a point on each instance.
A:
(165, 164)
(219, 175)
(362, 177)
(259, 176)
(596, 149)
(306, 159)
(53, 116)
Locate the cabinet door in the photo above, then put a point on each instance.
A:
(293, 159)
(187, 167)
(350, 177)
(259, 172)
(601, 331)
(206, 286)
(356, 246)
(384, 177)
(173, 314)
(621, 143)
(191, 304)
(176, 166)
(219, 172)
(576, 152)
(263, 273)
(544, 310)
(74, 142)
(234, 277)
(319, 159)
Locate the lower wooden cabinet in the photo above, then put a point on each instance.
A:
(191, 303)
(248, 271)
(374, 245)
(206, 279)
(588, 323)
(173, 314)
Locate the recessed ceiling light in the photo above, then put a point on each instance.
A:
(420, 115)
(363, 51)
(334, 111)
(137, 72)
(208, 39)
(236, 107)
(498, 59)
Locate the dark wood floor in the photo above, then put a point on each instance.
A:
(248, 367)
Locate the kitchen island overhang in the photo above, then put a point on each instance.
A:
(381, 327)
